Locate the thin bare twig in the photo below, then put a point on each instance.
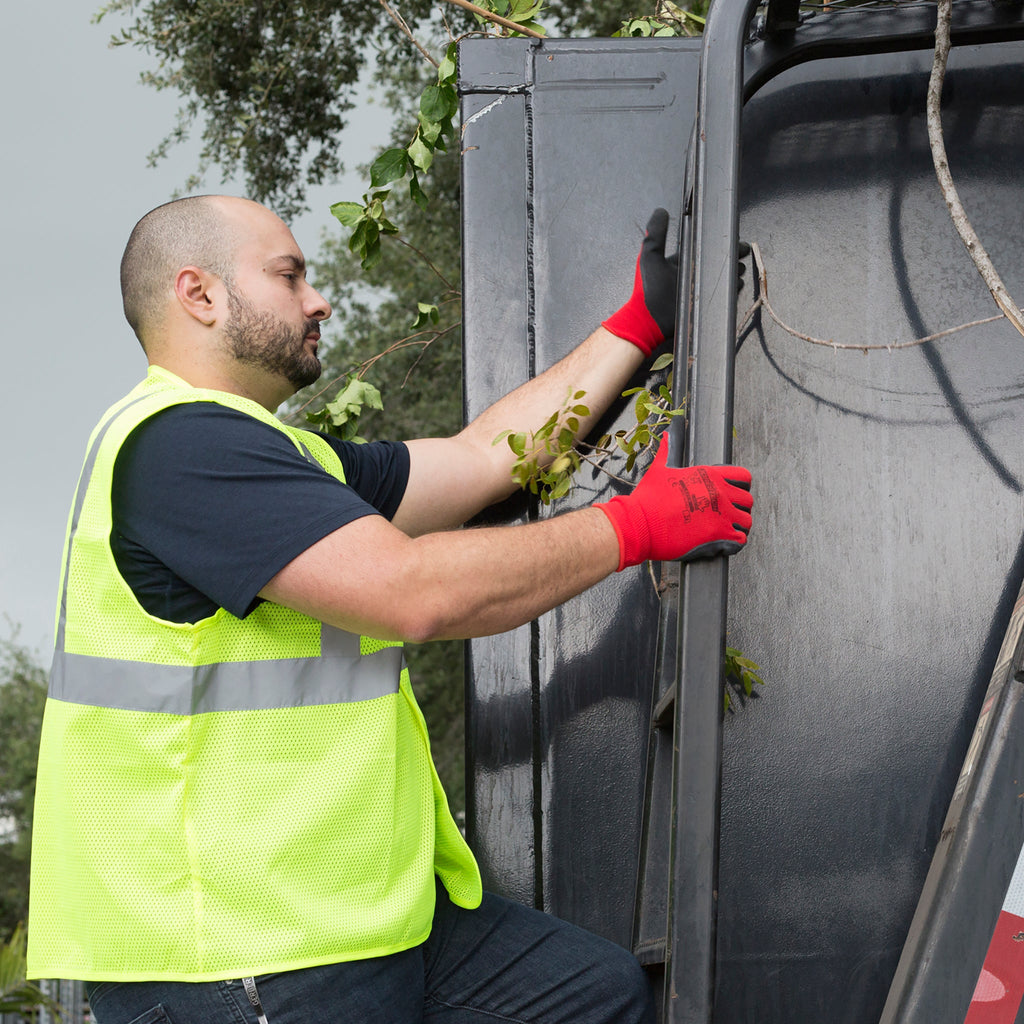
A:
(438, 335)
(763, 303)
(598, 464)
(426, 259)
(400, 21)
(968, 236)
(496, 18)
(421, 339)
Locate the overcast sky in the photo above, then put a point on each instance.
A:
(76, 128)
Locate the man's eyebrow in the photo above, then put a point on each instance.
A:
(297, 263)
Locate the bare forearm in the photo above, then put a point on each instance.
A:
(452, 479)
(600, 367)
(447, 585)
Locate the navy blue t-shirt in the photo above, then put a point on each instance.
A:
(209, 504)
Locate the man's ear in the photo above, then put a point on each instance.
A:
(200, 293)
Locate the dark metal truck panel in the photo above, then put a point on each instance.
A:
(886, 554)
(613, 122)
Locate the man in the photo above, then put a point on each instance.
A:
(237, 816)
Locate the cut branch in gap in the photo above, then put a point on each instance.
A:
(763, 303)
(963, 226)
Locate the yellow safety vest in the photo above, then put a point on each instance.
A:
(230, 797)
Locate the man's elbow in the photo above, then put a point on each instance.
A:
(411, 615)
(419, 626)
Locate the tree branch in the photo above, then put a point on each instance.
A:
(975, 249)
(763, 303)
(426, 259)
(496, 18)
(400, 22)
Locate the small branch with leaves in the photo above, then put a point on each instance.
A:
(741, 676)
(548, 459)
(669, 19)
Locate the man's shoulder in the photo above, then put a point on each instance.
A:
(187, 426)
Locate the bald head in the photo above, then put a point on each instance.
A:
(200, 231)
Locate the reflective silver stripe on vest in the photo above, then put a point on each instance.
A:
(339, 676)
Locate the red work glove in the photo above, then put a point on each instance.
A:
(649, 317)
(688, 513)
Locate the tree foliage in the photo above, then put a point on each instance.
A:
(22, 696)
(270, 81)
(16, 994)
(268, 84)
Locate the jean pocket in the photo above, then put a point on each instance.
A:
(155, 1015)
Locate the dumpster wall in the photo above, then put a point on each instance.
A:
(567, 150)
(886, 552)
(888, 547)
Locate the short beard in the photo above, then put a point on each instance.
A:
(261, 339)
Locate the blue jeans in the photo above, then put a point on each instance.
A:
(500, 963)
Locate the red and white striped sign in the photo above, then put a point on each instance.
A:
(997, 996)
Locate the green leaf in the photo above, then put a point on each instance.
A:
(536, 26)
(353, 396)
(665, 359)
(348, 213)
(438, 102)
(446, 70)
(429, 130)
(373, 255)
(561, 488)
(421, 155)
(391, 165)
(416, 193)
(357, 240)
(522, 11)
(427, 313)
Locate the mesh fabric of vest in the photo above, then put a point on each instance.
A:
(218, 844)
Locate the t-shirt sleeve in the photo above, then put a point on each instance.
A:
(209, 504)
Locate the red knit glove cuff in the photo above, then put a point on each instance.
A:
(630, 525)
(634, 322)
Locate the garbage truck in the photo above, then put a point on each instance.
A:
(841, 844)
